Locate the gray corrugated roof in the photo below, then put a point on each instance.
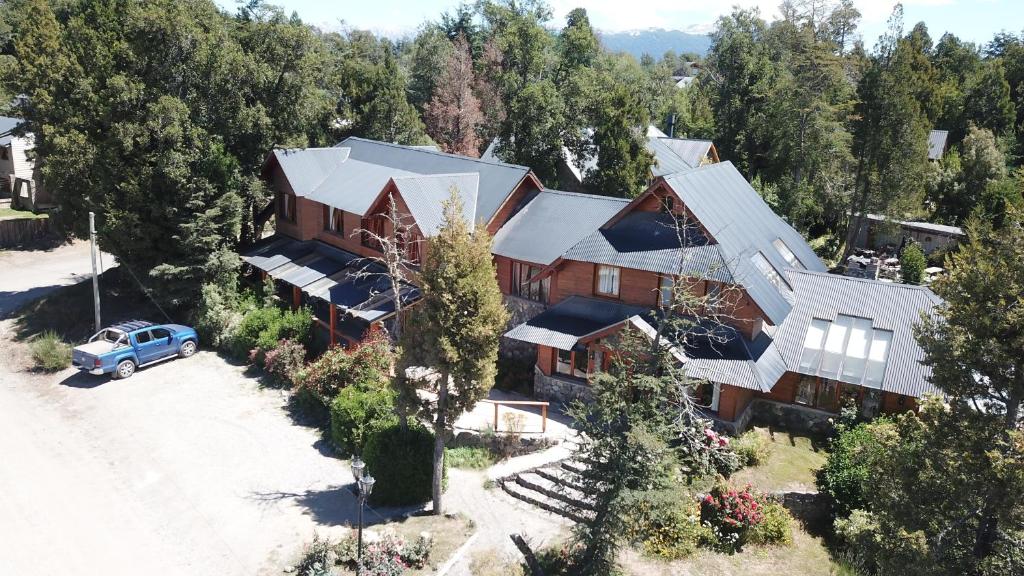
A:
(692, 152)
(352, 176)
(937, 144)
(940, 228)
(742, 225)
(889, 306)
(425, 196)
(7, 124)
(551, 223)
(562, 325)
(666, 160)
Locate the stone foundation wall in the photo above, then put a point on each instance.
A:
(520, 310)
(791, 417)
(558, 391)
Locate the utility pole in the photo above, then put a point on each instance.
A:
(95, 272)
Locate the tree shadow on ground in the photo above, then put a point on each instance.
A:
(338, 506)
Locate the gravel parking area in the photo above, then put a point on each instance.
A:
(186, 468)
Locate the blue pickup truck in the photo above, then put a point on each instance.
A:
(122, 348)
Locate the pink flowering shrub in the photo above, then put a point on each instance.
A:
(731, 514)
(389, 555)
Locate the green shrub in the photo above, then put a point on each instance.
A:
(253, 324)
(50, 353)
(752, 448)
(664, 523)
(476, 458)
(316, 558)
(285, 361)
(775, 528)
(219, 315)
(850, 464)
(912, 264)
(402, 463)
(354, 410)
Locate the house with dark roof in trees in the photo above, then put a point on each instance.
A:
(794, 343)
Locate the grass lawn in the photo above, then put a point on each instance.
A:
(791, 464)
(806, 557)
(8, 213)
(469, 457)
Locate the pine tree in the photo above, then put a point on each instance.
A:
(455, 329)
(453, 115)
(388, 115)
(623, 161)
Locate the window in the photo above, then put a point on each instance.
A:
(881, 340)
(373, 226)
(334, 220)
(608, 280)
(668, 204)
(286, 206)
(522, 286)
(827, 395)
(769, 271)
(563, 365)
(160, 333)
(665, 285)
(805, 390)
(813, 343)
(713, 299)
(143, 337)
(572, 363)
(848, 349)
(596, 360)
(787, 254)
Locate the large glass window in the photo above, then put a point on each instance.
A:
(579, 364)
(805, 390)
(878, 355)
(334, 220)
(608, 280)
(563, 364)
(813, 344)
(787, 254)
(848, 349)
(522, 285)
(827, 395)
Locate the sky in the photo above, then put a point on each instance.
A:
(971, 20)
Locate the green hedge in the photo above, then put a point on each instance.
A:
(401, 461)
(353, 412)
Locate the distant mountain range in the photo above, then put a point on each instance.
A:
(655, 41)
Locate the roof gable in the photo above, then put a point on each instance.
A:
(425, 196)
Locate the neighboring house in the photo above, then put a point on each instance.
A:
(21, 181)
(876, 232)
(937, 144)
(671, 155)
(799, 342)
(325, 197)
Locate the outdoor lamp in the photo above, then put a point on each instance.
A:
(357, 468)
(366, 485)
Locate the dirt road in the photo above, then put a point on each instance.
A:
(29, 274)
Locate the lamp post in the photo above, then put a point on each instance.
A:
(364, 486)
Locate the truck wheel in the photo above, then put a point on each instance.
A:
(125, 369)
(188, 348)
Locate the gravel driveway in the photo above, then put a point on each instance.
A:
(186, 468)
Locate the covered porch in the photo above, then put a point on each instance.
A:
(347, 294)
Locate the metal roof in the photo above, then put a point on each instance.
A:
(692, 152)
(564, 324)
(648, 241)
(937, 141)
(425, 196)
(930, 227)
(666, 160)
(552, 223)
(7, 125)
(742, 225)
(889, 306)
(723, 354)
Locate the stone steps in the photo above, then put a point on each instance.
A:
(561, 476)
(538, 499)
(555, 490)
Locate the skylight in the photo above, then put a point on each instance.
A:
(770, 272)
(787, 254)
(848, 349)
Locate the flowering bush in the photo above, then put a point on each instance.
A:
(703, 451)
(389, 555)
(731, 513)
(367, 365)
(285, 361)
